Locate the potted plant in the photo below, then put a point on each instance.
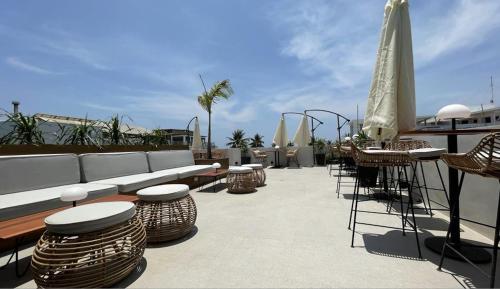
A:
(319, 151)
(220, 90)
(367, 175)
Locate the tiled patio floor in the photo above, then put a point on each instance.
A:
(292, 233)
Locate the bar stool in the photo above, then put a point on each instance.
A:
(346, 166)
(383, 158)
(421, 151)
(482, 160)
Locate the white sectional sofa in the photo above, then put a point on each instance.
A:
(132, 171)
(34, 183)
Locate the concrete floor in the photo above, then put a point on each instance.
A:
(292, 233)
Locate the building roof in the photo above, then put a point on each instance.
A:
(125, 128)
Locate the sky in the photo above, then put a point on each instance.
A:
(142, 59)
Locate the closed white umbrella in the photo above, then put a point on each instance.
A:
(280, 136)
(391, 102)
(302, 136)
(196, 145)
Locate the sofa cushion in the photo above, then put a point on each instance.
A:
(31, 172)
(189, 171)
(170, 174)
(29, 202)
(127, 184)
(78, 221)
(111, 165)
(162, 160)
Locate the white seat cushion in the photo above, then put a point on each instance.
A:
(235, 169)
(254, 166)
(170, 174)
(385, 152)
(132, 183)
(29, 202)
(189, 171)
(163, 192)
(79, 220)
(427, 153)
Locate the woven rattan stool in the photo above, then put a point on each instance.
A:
(482, 160)
(258, 173)
(382, 158)
(240, 180)
(422, 152)
(167, 211)
(94, 245)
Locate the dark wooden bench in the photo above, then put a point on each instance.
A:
(13, 232)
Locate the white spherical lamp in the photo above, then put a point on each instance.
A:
(216, 166)
(277, 147)
(74, 194)
(347, 138)
(453, 111)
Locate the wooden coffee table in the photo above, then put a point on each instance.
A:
(213, 176)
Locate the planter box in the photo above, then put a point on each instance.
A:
(80, 149)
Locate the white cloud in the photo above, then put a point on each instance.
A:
(19, 64)
(336, 40)
(466, 25)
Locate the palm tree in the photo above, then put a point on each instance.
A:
(257, 141)
(220, 90)
(238, 140)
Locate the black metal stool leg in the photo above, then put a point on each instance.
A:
(452, 211)
(495, 248)
(352, 201)
(339, 179)
(426, 190)
(442, 183)
(401, 204)
(355, 212)
(410, 200)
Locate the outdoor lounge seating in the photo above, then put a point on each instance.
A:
(167, 211)
(34, 183)
(258, 173)
(292, 156)
(89, 250)
(260, 156)
(132, 171)
(240, 180)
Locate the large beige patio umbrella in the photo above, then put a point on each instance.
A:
(280, 136)
(302, 136)
(196, 145)
(391, 102)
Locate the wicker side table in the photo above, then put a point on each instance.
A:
(167, 211)
(240, 180)
(258, 173)
(89, 250)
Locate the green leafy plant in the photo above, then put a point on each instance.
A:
(320, 145)
(220, 90)
(238, 140)
(290, 144)
(257, 141)
(85, 133)
(361, 139)
(116, 131)
(25, 130)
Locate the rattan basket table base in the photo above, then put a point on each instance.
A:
(259, 176)
(167, 220)
(240, 183)
(95, 259)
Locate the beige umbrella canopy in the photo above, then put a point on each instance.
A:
(391, 102)
(280, 136)
(196, 145)
(302, 136)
